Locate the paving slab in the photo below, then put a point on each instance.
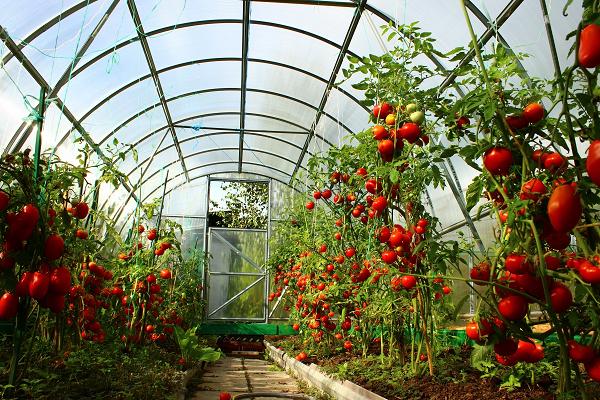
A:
(240, 375)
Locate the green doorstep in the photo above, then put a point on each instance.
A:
(258, 329)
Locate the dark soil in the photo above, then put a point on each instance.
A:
(454, 379)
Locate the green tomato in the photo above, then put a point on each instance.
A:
(417, 117)
(411, 108)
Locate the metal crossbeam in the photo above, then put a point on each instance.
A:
(485, 37)
(30, 68)
(244, 78)
(336, 69)
(152, 66)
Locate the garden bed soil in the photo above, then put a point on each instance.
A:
(454, 379)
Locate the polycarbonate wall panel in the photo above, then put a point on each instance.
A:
(52, 52)
(177, 202)
(156, 14)
(345, 109)
(210, 75)
(192, 238)
(204, 103)
(19, 23)
(207, 141)
(281, 197)
(268, 160)
(525, 33)
(124, 105)
(277, 106)
(275, 44)
(130, 132)
(275, 146)
(322, 20)
(285, 81)
(88, 87)
(255, 122)
(216, 156)
(444, 19)
(195, 43)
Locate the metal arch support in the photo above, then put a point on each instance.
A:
(195, 62)
(47, 25)
(336, 69)
(201, 23)
(481, 17)
(118, 214)
(206, 151)
(485, 37)
(244, 79)
(208, 115)
(152, 66)
(26, 127)
(29, 67)
(231, 89)
(139, 165)
(143, 181)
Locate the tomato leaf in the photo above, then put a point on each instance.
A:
(474, 192)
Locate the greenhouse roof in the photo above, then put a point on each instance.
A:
(230, 86)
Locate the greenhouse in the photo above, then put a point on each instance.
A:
(263, 199)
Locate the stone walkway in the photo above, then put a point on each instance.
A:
(242, 375)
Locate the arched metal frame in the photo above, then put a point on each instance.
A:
(117, 215)
(491, 30)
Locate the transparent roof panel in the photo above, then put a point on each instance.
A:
(196, 42)
(268, 160)
(285, 108)
(322, 20)
(285, 81)
(204, 158)
(210, 141)
(19, 24)
(90, 85)
(264, 142)
(209, 75)
(130, 129)
(157, 14)
(270, 122)
(310, 54)
(52, 52)
(204, 103)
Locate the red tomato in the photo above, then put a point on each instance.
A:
(316, 195)
(513, 307)
(361, 172)
(533, 113)
(517, 264)
(580, 352)
(81, 210)
(498, 160)
(409, 282)
(165, 273)
(380, 133)
(507, 361)
(554, 162)
(326, 194)
(589, 273)
(388, 256)
(472, 331)
(560, 298)
(22, 288)
(60, 281)
(4, 199)
(589, 47)
(592, 163)
(6, 261)
(506, 347)
(382, 110)
(480, 272)
(533, 189)
(564, 208)
(151, 234)
(54, 247)
(310, 205)
(373, 186)
(516, 122)
(462, 121)
(81, 234)
(222, 395)
(593, 369)
(386, 149)
(9, 306)
(38, 287)
(409, 132)
(350, 252)
(348, 345)
(379, 204)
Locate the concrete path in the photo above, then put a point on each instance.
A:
(242, 375)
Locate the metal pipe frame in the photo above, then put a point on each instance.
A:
(35, 74)
(215, 90)
(159, 90)
(336, 69)
(147, 160)
(244, 79)
(120, 210)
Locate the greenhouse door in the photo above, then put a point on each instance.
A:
(237, 282)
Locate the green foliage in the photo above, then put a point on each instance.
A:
(246, 205)
(191, 347)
